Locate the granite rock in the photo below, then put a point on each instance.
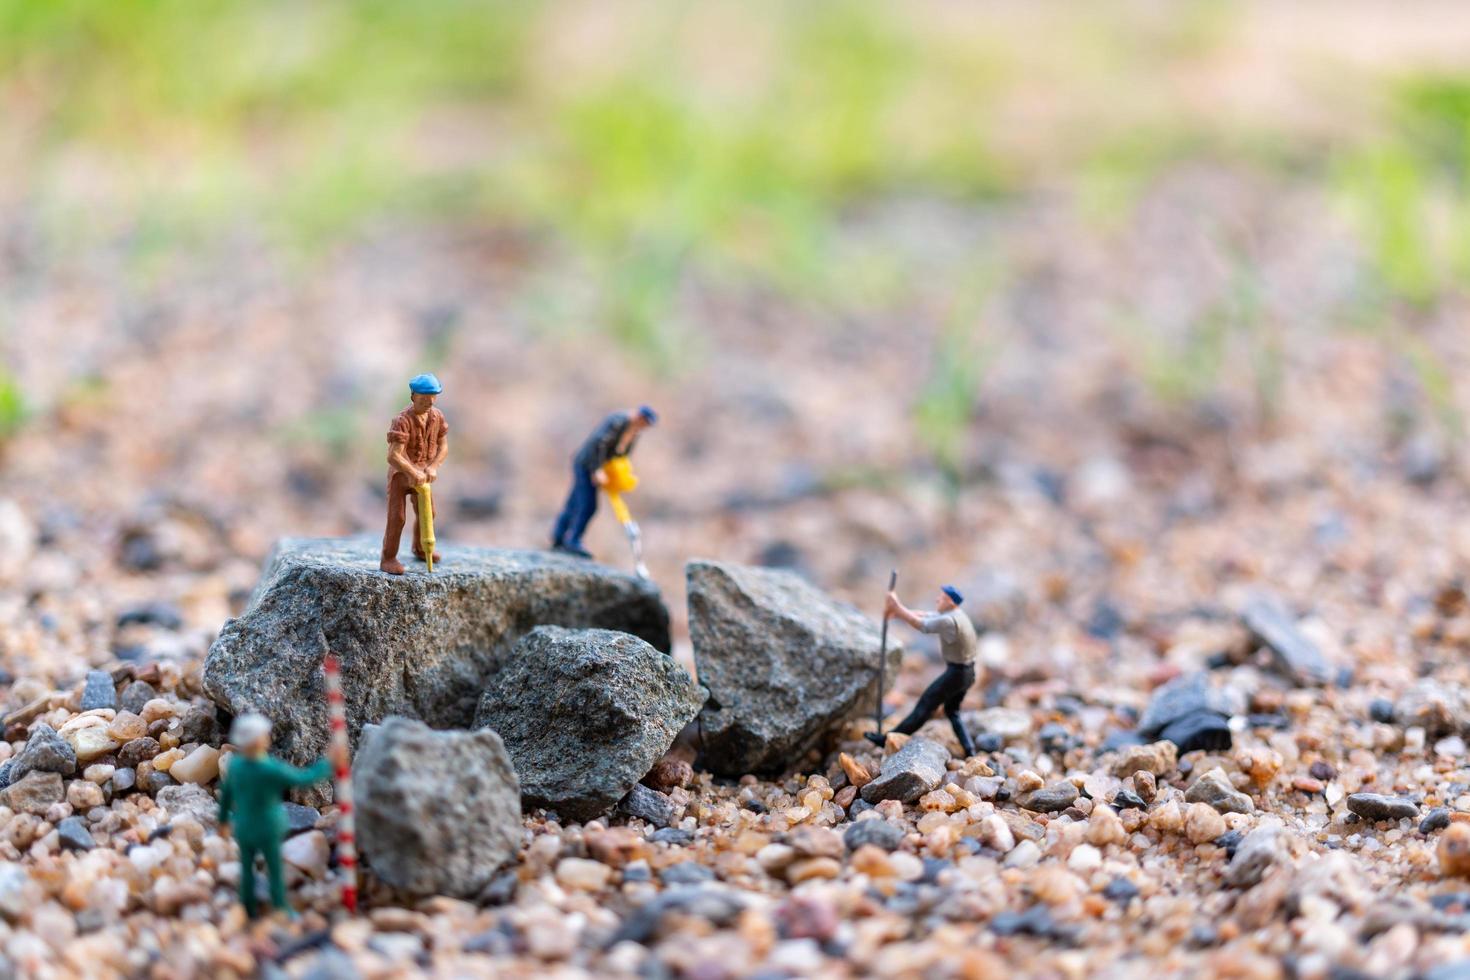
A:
(585, 714)
(422, 645)
(783, 663)
(438, 812)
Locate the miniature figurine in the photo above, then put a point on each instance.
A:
(418, 441)
(250, 799)
(613, 439)
(957, 644)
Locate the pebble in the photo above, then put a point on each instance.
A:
(1049, 799)
(200, 766)
(74, 835)
(138, 750)
(1436, 819)
(877, 833)
(1454, 851)
(1126, 799)
(34, 793)
(1120, 890)
(84, 795)
(1203, 823)
(127, 726)
(1215, 788)
(581, 874)
(1256, 853)
(98, 691)
(1157, 758)
(1084, 857)
(648, 805)
(308, 852)
(92, 743)
(45, 751)
(1376, 806)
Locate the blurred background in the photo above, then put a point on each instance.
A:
(1104, 311)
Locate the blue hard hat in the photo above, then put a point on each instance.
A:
(649, 415)
(425, 384)
(954, 595)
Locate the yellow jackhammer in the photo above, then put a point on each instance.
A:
(621, 480)
(426, 522)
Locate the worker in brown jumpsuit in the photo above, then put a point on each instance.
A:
(418, 441)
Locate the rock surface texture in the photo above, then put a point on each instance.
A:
(783, 663)
(420, 645)
(585, 714)
(438, 812)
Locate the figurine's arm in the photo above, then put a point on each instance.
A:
(226, 802)
(292, 776)
(399, 462)
(431, 472)
(898, 610)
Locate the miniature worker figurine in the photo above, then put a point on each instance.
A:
(957, 644)
(250, 799)
(616, 436)
(418, 441)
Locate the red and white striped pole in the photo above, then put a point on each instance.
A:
(342, 776)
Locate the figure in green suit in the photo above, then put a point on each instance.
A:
(250, 800)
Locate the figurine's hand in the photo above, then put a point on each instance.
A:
(890, 604)
(417, 476)
(599, 478)
(430, 474)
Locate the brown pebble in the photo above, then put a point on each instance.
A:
(857, 773)
(1307, 784)
(1454, 851)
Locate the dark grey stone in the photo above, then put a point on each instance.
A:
(74, 835)
(164, 615)
(1256, 853)
(686, 873)
(300, 819)
(156, 782)
(437, 812)
(1189, 712)
(135, 695)
(421, 645)
(1049, 799)
(1120, 890)
(783, 662)
(1436, 819)
(715, 905)
(1381, 710)
(648, 805)
(676, 836)
(909, 773)
(1376, 806)
(1267, 617)
(98, 691)
(879, 833)
(585, 714)
(138, 750)
(1126, 799)
(200, 725)
(123, 780)
(190, 800)
(44, 751)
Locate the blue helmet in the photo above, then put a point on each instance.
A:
(425, 384)
(649, 415)
(954, 595)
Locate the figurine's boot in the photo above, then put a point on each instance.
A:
(392, 565)
(967, 744)
(876, 739)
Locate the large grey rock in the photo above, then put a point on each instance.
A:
(585, 714)
(44, 751)
(419, 645)
(437, 812)
(909, 773)
(783, 662)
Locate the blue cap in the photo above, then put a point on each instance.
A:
(954, 595)
(649, 415)
(425, 384)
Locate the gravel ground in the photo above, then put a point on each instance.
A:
(1109, 541)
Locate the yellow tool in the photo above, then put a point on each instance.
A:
(620, 479)
(426, 522)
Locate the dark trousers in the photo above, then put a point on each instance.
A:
(948, 690)
(577, 512)
(271, 851)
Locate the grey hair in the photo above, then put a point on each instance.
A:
(248, 728)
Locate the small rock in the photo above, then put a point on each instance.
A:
(1035, 921)
(1147, 787)
(1381, 711)
(1084, 858)
(1202, 823)
(1126, 799)
(191, 801)
(127, 726)
(1256, 853)
(92, 743)
(308, 852)
(675, 836)
(74, 835)
(164, 615)
(138, 750)
(18, 894)
(200, 766)
(1007, 724)
(1120, 890)
(98, 691)
(1436, 819)
(1215, 788)
(1104, 828)
(34, 793)
(1049, 799)
(996, 834)
(879, 833)
(857, 773)
(580, 874)
(648, 805)
(1024, 855)
(686, 873)
(135, 695)
(1454, 851)
(156, 782)
(124, 780)
(200, 725)
(300, 819)
(44, 751)
(1273, 625)
(1189, 712)
(910, 772)
(1376, 806)
(83, 795)
(1158, 759)
(1438, 708)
